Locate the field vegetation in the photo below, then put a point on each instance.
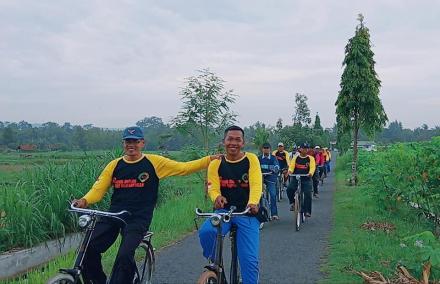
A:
(35, 195)
(377, 227)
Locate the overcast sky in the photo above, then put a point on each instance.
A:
(111, 63)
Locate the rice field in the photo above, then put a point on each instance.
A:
(35, 192)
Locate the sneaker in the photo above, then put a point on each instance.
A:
(292, 207)
(275, 217)
(261, 225)
(316, 195)
(308, 215)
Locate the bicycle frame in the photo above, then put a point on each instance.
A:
(87, 220)
(280, 183)
(265, 200)
(217, 219)
(299, 199)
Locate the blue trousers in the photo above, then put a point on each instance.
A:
(327, 166)
(248, 244)
(271, 187)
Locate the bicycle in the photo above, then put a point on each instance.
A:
(215, 273)
(280, 184)
(298, 213)
(87, 221)
(265, 199)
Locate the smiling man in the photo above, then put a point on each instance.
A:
(135, 181)
(236, 180)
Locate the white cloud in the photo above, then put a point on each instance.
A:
(111, 63)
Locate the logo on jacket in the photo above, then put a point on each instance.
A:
(245, 178)
(143, 177)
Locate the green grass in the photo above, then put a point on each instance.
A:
(355, 249)
(172, 220)
(34, 193)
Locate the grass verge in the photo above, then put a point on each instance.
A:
(353, 248)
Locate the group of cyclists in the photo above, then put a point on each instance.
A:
(235, 179)
(303, 159)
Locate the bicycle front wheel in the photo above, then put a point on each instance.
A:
(61, 278)
(279, 190)
(144, 256)
(208, 277)
(297, 211)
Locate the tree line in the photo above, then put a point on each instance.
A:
(165, 136)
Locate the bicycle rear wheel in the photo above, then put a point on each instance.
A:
(279, 190)
(144, 256)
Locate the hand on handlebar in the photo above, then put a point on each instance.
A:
(220, 202)
(253, 208)
(80, 203)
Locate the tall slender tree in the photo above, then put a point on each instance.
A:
(206, 107)
(301, 116)
(358, 105)
(317, 125)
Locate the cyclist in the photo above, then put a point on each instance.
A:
(325, 158)
(236, 180)
(269, 164)
(328, 159)
(317, 175)
(302, 164)
(135, 181)
(293, 153)
(320, 163)
(283, 160)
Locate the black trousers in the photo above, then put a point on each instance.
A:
(315, 180)
(306, 187)
(103, 237)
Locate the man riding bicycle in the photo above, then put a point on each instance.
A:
(135, 181)
(283, 159)
(236, 180)
(269, 164)
(302, 164)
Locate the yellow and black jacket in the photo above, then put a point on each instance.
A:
(302, 165)
(136, 183)
(240, 182)
(283, 158)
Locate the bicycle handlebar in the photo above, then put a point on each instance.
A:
(298, 175)
(99, 213)
(226, 216)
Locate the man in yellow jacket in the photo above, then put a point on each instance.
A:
(135, 181)
(302, 164)
(236, 180)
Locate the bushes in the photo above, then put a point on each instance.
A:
(407, 172)
(391, 180)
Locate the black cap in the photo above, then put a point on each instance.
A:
(303, 145)
(266, 145)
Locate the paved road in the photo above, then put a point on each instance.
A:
(286, 256)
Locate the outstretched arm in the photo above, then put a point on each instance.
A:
(166, 167)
